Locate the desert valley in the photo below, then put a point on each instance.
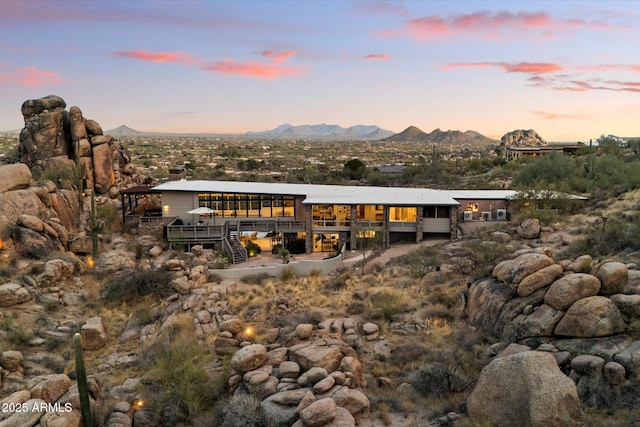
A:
(528, 319)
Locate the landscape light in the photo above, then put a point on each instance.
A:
(90, 262)
(138, 404)
(248, 331)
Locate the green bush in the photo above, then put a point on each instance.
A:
(140, 283)
(385, 305)
(252, 248)
(179, 387)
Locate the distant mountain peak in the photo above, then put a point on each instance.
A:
(413, 134)
(123, 130)
(324, 131)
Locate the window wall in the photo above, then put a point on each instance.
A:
(331, 215)
(249, 205)
(403, 214)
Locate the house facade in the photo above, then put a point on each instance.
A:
(316, 218)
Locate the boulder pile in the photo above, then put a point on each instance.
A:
(578, 311)
(316, 381)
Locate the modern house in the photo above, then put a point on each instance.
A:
(316, 218)
(319, 218)
(514, 152)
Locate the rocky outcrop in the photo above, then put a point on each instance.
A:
(53, 135)
(525, 389)
(317, 380)
(523, 138)
(564, 308)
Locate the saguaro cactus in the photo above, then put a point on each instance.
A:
(83, 389)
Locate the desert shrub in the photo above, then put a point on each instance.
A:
(109, 213)
(616, 235)
(356, 307)
(315, 272)
(337, 283)
(178, 384)
(16, 334)
(437, 380)
(475, 256)
(252, 248)
(422, 261)
(137, 285)
(385, 305)
(57, 172)
(286, 275)
(220, 260)
(241, 410)
(255, 279)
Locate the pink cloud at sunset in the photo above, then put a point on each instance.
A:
(159, 57)
(491, 25)
(252, 69)
(377, 57)
(551, 116)
(30, 77)
(513, 67)
(277, 57)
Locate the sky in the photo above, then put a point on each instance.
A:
(569, 70)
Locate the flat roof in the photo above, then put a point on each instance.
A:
(321, 194)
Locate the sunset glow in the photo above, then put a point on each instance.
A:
(565, 69)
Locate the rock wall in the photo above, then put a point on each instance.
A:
(52, 134)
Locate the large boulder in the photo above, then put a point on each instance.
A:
(33, 107)
(94, 335)
(513, 271)
(309, 356)
(614, 277)
(570, 288)
(14, 177)
(525, 389)
(529, 229)
(539, 279)
(591, 317)
(12, 294)
(249, 358)
(486, 300)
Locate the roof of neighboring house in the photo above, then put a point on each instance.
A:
(510, 195)
(321, 194)
(482, 194)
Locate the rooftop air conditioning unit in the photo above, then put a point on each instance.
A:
(486, 216)
(468, 216)
(501, 214)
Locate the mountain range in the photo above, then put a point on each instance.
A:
(324, 131)
(413, 134)
(335, 132)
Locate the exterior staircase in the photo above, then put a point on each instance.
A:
(238, 251)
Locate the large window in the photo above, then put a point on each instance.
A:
(402, 214)
(436, 211)
(249, 205)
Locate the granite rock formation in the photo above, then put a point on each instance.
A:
(52, 134)
(523, 138)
